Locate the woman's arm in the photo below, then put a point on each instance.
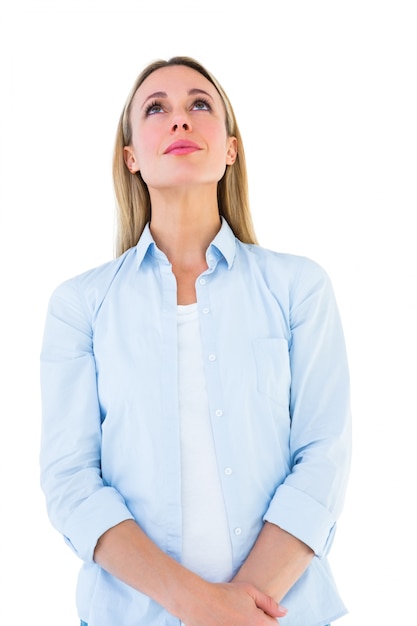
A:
(127, 553)
(301, 518)
(276, 562)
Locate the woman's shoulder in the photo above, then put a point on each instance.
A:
(283, 263)
(92, 285)
(290, 277)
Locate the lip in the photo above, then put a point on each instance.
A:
(182, 146)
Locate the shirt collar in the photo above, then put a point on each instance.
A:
(224, 244)
(145, 242)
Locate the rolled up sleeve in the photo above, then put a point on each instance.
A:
(79, 504)
(310, 500)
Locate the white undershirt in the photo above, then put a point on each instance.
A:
(206, 547)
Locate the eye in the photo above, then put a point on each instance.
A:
(201, 105)
(154, 107)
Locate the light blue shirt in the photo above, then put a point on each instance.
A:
(278, 390)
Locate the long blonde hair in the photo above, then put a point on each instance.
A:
(132, 195)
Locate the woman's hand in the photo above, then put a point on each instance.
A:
(233, 604)
(127, 553)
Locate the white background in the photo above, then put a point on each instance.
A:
(326, 98)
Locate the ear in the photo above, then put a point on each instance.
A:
(130, 160)
(231, 153)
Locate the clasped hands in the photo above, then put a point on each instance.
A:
(233, 604)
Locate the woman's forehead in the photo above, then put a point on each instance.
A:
(175, 78)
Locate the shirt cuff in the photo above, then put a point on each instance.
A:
(303, 517)
(92, 518)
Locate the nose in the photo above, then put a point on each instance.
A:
(180, 121)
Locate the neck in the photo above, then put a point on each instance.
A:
(183, 224)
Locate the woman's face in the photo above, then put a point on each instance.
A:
(179, 132)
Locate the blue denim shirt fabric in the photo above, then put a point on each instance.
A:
(278, 389)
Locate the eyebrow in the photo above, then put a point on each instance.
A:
(163, 94)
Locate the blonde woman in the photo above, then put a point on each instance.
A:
(196, 423)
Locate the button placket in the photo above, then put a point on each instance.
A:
(214, 388)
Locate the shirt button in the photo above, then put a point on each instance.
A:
(228, 471)
(219, 413)
(202, 281)
(206, 310)
(238, 531)
(212, 357)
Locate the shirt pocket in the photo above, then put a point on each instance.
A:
(273, 369)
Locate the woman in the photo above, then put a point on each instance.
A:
(196, 431)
